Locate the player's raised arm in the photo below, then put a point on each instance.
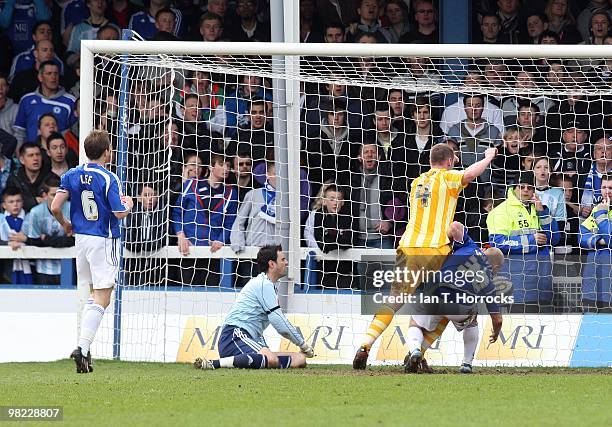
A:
(474, 171)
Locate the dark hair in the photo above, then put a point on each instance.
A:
(27, 145)
(382, 106)
(38, 25)
(266, 254)
(46, 64)
(473, 95)
(209, 16)
(526, 103)
(440, 153)
(543, 17)
(334, 24)
(420, 101)
(51, 181)
(549, 33)
(607, 177)
(54, 136)
(4, 76)
(111, 26)
(362, 34)
(96, 143)
(40, 119)
(257, 101)
(190, 96)
(165, 10)
(490, 15)
(11, 191)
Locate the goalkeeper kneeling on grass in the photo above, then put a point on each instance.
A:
(241, 343)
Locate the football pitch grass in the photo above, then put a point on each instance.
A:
(155, 394)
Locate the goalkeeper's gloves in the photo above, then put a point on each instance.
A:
(307, 350)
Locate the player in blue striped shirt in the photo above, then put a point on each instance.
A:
(97, 206)
(242, 344)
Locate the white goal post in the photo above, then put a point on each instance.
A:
(171, 335)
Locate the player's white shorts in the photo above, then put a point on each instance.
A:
(97, 261)
(430, 322)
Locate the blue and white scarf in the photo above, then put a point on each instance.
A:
(268, 209)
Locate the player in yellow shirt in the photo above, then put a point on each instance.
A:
(425, 244)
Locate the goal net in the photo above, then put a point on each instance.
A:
(229, 147)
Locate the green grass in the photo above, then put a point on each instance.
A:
(152, 394)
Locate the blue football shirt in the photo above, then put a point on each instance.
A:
(95, 194)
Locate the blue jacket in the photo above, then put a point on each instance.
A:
(237, 107)
(596, 278)
(204, 214)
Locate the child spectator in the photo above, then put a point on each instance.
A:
(329, 228)
(145, 232)
(508, 161)
(43, 230)
(144, 22)
(11, 222)
(551, 197)
(211, 27)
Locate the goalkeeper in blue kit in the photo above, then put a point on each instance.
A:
(241, 343)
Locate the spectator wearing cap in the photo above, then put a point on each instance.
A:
(8, 108)
(574, 155)
(596, 237)
(523, 229)
(590, 183)
(426, 18)
(50, 97)
(330, 147)
(18, 18)
(368, 22)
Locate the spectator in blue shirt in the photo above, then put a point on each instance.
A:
(86, 30)
(49, 97)
(26, 59)
(26, 81)
(18, 18)
(203, 215)
(144, 22)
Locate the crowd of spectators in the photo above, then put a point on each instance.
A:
(361, 146)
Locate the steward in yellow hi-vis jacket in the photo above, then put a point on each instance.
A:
(522, 228)
(595, 234)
